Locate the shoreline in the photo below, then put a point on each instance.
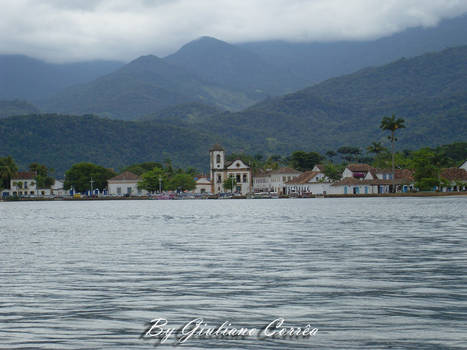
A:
(384, 195)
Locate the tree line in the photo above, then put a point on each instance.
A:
(426, 164)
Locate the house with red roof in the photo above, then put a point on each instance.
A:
(456, 178)
(313, 182)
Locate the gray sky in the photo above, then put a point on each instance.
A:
(73, 30)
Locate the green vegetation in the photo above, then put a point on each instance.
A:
(183, 182)
(304, 161)
(8, 169)
(392, 124)
(43, 180)
(80, 175)
(165, 178)
(333, 172)
(426, 164)
(140, 169)
(230, 183)
(154, 180)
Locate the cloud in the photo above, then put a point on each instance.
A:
(74, 30)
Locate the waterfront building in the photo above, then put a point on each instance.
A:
(456, 177)
(23, 183)
(355, 179)
(203, 184)
(125, 184)
(313, 182)
(274, 180)
(221, 170)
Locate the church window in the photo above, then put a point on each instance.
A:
(244, 178)
(218, 158)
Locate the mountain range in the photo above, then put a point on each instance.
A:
(208, 71)
(428, 91)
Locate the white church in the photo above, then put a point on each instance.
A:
(221, 170)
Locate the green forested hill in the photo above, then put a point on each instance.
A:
(192, 112)
(431, 75)
(429, 91)
(60, 141)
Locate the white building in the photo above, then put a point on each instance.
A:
(356, 179)
(221, 170)
(464, 166)
(274, 180)
(58, 190)
(457, 178)
(203, 184)
(364, 179)
(311, 182)
(125, 184)
(23, 184)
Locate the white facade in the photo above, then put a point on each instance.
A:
(310, 182)
(123, 188)
(58, 190)
(125, 184)
(203, 185)
(274, 180)
(23, 184)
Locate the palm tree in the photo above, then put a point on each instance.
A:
(392, 124)
(376, 148)
(8, 169)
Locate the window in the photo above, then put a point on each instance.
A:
(219, 179)
(25, 184)
(119, 190)
(128, 190)
(218, 158)
(244, 178)
(238, 165)
(238, 178)
(284, 178)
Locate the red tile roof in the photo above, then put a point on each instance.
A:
(24, 175)
(454, 174)
(303, 178)
(350, 181)
(126, 176)
(400, 174)
(285, 170)
(360, 168)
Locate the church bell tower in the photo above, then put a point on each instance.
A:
(217, 161)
